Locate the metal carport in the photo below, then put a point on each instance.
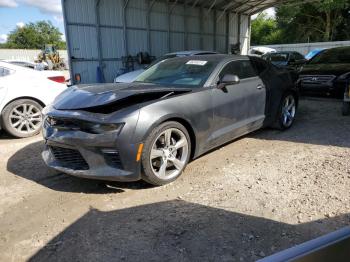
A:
(100, 32)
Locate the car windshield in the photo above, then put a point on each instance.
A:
(159, 59)
(280, 57)
(332, 56)
(179, 72)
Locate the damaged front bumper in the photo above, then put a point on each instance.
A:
(108, 156)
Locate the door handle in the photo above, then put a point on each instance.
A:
(260, 87)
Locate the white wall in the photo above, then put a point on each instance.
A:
(305, 48)
(25, 54)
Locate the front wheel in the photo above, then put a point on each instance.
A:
(166, 153)
(287, 112)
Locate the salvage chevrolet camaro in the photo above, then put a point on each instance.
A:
(175, 111)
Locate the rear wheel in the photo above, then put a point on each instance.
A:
(22, 118)
(287, 112)
(166, 153)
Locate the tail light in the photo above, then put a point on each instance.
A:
(58, 79)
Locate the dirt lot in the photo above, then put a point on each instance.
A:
(259, 195)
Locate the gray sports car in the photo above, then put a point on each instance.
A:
(176, 110)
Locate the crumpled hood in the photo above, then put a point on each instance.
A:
(89, 96)
(325, 69)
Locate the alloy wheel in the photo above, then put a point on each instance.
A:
(288, 111)
(25, 118)
(169, 154)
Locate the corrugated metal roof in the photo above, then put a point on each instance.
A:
(248, 7)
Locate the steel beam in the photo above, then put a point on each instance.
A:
(126, 48)
(98, 31)
(195, 4)
(185, 26)
(136, 28)
(227, 31)
(201, 27)
(68, 40)
(169, 25)
(239, 22)
(211, 7)
(250, 6)
(214, 33)
(148, 23)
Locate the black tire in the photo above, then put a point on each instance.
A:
(148, 174)
(279, 122)
(346, 108)
(6, 121)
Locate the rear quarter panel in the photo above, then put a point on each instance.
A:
(32, 85)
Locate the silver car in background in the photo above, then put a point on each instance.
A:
(131, 76)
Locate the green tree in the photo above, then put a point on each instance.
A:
(35, 36)
(318, 21)
(326, 20)
(265, 30)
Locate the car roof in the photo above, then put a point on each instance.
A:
(340, 48)
(283, 52)
(17, 68)
(10, 66)
(192, 52)
(213, 57)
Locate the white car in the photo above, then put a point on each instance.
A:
(23, 94)
(42, 67)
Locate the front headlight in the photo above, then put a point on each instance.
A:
(104, 128)
(68, 124)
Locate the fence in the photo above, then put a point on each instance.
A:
(25, 54)
(305, 48)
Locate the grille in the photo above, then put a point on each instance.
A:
(69, 158)
(317, 79)
(112, 158)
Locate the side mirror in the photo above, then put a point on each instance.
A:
(227, 80)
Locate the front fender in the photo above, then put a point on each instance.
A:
(194, 110)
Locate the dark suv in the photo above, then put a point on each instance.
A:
(286, 59)
(326, 73)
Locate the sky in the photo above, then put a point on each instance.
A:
(19, 12)
(15, 13)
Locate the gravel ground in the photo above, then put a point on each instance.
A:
(254, 197)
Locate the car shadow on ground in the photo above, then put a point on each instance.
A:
(28, 163)
(178, 231)
(318, 122)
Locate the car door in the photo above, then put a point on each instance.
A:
(240, 108)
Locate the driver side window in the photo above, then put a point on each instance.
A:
(243, 69)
